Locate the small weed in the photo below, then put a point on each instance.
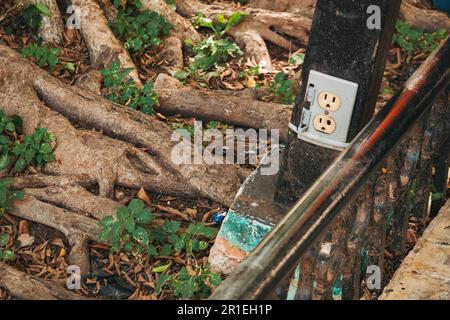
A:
(31, 18)
(211, 55)
(189, 283)
(123, 90)
(5, 254)
(139, 29)
(297, 59)
(43, 55)
(7, 197)
(34, 150)
(135, 230)
(221, 25)
(412, 39)
(281, 89)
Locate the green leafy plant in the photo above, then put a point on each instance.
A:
(7, 197)
(123, 90)
(127, 231)
(413, 39)
(190, 283)
(281, 89)
(34, 150)
(5, 254)
(211, 56)
(139, 29)
(44, 56)
(220, 25)
(31, 17)
(297, 59)
(214, 53)
(135, 230)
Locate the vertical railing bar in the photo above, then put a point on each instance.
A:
(328, 273)
(352, 271)
(440, 151)
(407, 177)
(377, 228)
(423, 178)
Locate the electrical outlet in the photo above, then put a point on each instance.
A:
(331, 102)
(325, 124)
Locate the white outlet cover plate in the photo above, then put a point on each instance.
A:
(346, 91)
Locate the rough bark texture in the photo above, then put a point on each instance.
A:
(276, 27)
(416, 12)
(114, 157)
(103, 46)
(243, 112)
(183, 29)
(27, 287)
(52, 28)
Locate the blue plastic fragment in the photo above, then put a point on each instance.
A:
(218, 217)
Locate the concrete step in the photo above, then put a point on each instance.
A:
(425, 273)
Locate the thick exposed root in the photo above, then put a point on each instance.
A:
(259, 24)
(77, 228)
(52, 28)
(240, 111)
(424, 18)
(24, 286)
(103, 46)
(183, 29)
(113, 157)
(416, 12)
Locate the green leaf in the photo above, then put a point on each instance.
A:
(128, 246)
(163, 278)
(141, 236)
(69, 66)
(4, 161)
(6, 254)
(43, 9)
(166, 250)
(171, 226)
(203, 245)
(136, 205)
(144, 217)
(130, 225)
(4, 238)
(162, 268)
(106, 222)
(185, 289)
(215, 279)
(151, 250)
(122, 213)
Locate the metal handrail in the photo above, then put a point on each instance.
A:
(278, 254)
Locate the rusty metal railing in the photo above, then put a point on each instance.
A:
(358, 210)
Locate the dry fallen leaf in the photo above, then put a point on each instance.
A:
(25, 240)
(142, 195)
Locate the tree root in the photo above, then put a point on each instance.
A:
(114, 157)
(24, 286)
(103, 46)
(416, 12)
(423, 18)
(182, 28)
(52, 28)
(243, 112)
(258, 24)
